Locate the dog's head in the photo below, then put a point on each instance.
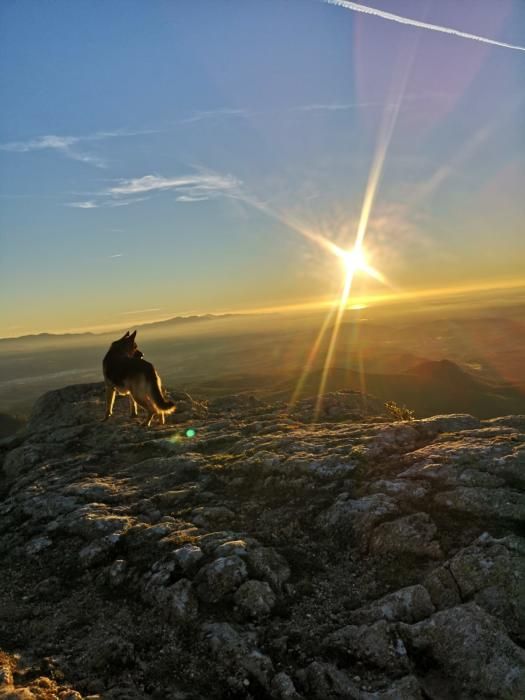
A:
(126, 345)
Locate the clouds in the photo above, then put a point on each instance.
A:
(82, 205)
(214, 113)
(187, 188)
(66, 145)
(69, 146)
(198, 185)
(104, 204)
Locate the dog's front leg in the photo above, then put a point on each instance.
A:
(110, 400)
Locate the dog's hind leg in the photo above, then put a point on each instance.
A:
(132, 406)
(110, 400)
(146, 404)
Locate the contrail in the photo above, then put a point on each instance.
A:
(357, 7)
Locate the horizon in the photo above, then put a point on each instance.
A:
(358, 303)
(220, 177)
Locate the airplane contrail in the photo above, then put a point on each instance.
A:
(357, 7)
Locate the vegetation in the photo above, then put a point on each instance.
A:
(399, 412)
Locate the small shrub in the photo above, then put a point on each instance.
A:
(399, 412)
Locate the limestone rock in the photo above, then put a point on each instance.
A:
(474, 656)
(255, 599)
(408, 605)
(413, 534)
(271, 553)
(376, 645)
(220, 578)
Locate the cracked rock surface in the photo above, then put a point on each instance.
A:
(265, 556)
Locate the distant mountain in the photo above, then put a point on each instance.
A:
(44, 338)
(182, 320)
(444, 371)
(430, 388)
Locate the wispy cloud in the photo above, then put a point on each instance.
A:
(330, 107)
(188, 198)
(358, 7)
(104, 203)
(116, 255)
(66, 145)
(199, 184)
(214, 113)
(346, 106)
(140, 311)
(69, 146)
(82, 205)
(187, 188)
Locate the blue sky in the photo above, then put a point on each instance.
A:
(162, 158)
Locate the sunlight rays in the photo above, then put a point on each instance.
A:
(354, 259)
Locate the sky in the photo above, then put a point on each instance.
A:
(164, 158)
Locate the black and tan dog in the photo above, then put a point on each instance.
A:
(127, 373)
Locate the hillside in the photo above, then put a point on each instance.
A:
(261, 555)
(429, 387)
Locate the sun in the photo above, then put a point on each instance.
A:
(354, 261)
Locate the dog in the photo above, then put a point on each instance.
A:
(128, 374)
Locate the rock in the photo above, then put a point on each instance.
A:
(99, 551)
(235, 402)
(442, 587)
(220, 578)
(91, 522)
(254, 599)
(118, 572)
(326, 682)
(235, 653)
(269, 555)
(493, 576)
(409, 604)
(400, 437)
(182, 601)
(114, 650)
(283, 688)
(468, 654)
(38, 544)
(406, 688)
(238, 547)
(413, 534)
(361, 515)
(497, 504)
(206, 515)
(267, 564)
(453, 423)
(188, 556)
(20, 460)
(375, 645)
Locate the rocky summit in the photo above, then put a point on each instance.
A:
(246, 550)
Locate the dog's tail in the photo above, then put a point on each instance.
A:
(158, 399)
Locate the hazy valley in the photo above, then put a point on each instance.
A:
(447, 359)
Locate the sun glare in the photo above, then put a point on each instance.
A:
(354, 261)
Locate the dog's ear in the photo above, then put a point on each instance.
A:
(124, 336)
(132, 336)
